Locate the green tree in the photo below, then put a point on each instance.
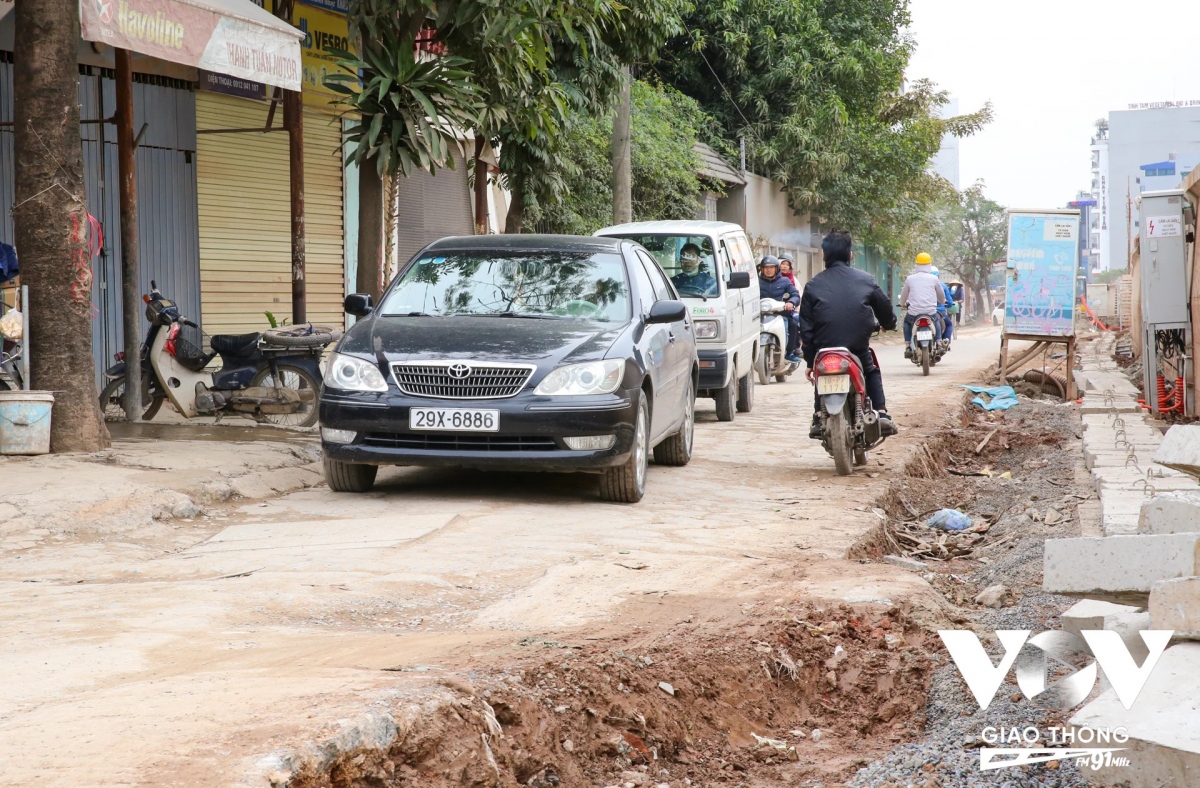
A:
(968, 237)
(665, 125)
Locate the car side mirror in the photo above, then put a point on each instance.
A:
(738, 280)
(667, 312)
(358, 304)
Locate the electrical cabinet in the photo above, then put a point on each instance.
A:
(1163, 230)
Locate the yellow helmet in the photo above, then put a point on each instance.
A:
(924, 259)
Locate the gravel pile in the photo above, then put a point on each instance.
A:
(948, 755)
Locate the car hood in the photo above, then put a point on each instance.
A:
(543, 342)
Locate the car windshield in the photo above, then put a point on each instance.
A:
(513, 284)
(687, 259)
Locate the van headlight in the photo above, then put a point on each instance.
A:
(353, 374)
(707, 329)
(594, 377)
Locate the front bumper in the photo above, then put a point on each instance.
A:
(714, 369)
(532, 429)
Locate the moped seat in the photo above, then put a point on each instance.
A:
(235, 345)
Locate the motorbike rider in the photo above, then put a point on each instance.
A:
(921, 295)
(944, 308)
(840, 308)
(772, 284)
(690, 279)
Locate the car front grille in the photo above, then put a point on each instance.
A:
(449, 441)
(461, 380)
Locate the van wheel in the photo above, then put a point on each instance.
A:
(626, 483)
(745, 399)
(727, 400)
(677, 449)
(348, 476)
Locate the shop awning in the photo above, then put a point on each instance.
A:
(233, 37)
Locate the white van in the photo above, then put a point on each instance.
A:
(722, 296)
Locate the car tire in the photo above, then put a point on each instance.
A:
(626, 483)
(727, 401)
(677, 449)
(349, 476)
(745, 399)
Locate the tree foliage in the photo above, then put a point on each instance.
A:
(968, 236)
(664, 129)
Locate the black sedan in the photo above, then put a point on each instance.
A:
(530, 352)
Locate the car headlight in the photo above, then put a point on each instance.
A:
(353, 374)
(594, 377)
(707, 329)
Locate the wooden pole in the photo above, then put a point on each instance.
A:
(481, 207)
(293, 120)
(130, 296)
(622, 176)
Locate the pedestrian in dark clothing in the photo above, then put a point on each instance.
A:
(772, 284)
(840, 308)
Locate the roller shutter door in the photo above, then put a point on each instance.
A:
(245, 217)
(431, 207)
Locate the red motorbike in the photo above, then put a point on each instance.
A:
(849, 424)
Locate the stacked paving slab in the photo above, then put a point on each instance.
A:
(1143, 573)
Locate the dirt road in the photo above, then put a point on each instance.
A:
(198, 650)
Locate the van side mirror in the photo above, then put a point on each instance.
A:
(738, 280)
(358, 304)
(667, 312)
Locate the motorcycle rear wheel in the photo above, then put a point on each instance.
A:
(112, 401)
(292, 377)
(841, 441)
(924, 361)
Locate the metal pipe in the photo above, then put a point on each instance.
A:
(293, 121)
(130, 296)
(481, 206)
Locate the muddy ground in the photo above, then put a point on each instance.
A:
(801, 692)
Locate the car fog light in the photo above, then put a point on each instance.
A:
(337, 436)
(591, 442)
(708, 365)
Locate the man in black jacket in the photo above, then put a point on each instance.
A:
(773, 284)
(839, 309)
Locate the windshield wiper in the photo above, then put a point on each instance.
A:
(523, 315)
(410, 314)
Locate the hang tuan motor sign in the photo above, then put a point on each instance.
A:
(199, 33)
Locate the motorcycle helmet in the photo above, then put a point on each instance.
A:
(768, 260)
(935, 271)
(924, 259)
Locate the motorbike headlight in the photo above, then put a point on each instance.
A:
(594, 377)
(707, 329)
(353, 374)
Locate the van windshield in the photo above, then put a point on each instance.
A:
(688, 259)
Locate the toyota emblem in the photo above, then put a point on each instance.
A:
(459, 371)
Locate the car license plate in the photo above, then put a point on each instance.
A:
(924, 336)
(454, 419)
(833, 384)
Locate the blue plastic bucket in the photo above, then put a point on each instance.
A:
(25, 422)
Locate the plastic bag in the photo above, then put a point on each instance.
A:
(949, 520)
(11, 326)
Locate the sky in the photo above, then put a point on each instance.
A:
(1050, 68)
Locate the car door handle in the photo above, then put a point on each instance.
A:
(671, 337)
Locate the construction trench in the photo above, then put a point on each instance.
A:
(803, 692)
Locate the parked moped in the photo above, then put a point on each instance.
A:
(272, 377)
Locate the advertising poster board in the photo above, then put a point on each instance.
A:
(1043, 257)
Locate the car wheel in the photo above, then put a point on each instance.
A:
(348, 476)
(677, 449)
(745, 400)
(727, 401)
(626, 483)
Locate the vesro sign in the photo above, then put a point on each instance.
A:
(250, 44)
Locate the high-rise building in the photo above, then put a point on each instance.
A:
(1097, 232)
(1147, 147)
(945, 163)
